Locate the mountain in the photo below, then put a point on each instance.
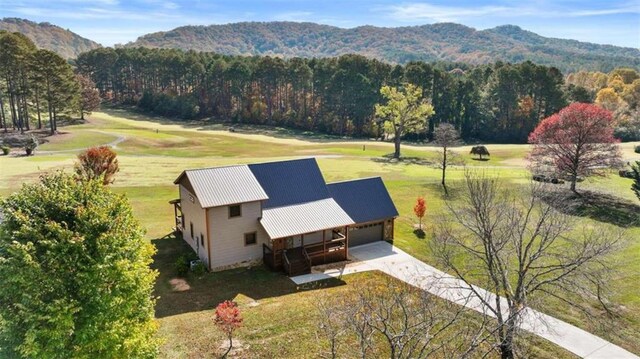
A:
(436, 42)
(51, 37)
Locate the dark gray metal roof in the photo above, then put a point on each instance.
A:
(303, 218)
(364, 200)
(221, 186)
(290, 182)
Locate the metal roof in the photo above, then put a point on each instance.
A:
(303, 218)
(290, 182)
(364, 200)
(222, 186)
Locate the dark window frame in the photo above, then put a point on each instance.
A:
(255, 239)
(201, 240)
(191, 229)
(239, 207)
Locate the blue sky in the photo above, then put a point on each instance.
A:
(614, 22)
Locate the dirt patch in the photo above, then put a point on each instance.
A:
(236, 352)
(179, 285)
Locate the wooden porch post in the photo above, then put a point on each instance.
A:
(302, 240)
(346, 242)
(324, 247)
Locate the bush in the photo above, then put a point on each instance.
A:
(5, 150)
(31, 144)
(198, 269)
(636, 149)
(181, 266)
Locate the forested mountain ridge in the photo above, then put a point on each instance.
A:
(437, 42)
(50, 37)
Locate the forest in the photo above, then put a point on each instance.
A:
(500, 102)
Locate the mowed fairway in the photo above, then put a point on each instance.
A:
(280, 317)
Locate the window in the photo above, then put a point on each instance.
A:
(191, 229)
(250, 238)
(201, 240)
(235, 211)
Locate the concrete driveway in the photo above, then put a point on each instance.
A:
(393, 261)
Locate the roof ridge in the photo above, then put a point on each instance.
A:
(354, 180)
(301, 203)
(282, 161)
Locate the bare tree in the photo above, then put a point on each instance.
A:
(391, 318)
(522, 249)
(446, 136)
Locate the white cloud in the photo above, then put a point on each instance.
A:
(293, 16)
(439, 13)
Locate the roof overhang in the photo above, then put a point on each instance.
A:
(304, 218)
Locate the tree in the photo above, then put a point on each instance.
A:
(58, 82)
(479, 151)
(419, 210)
(75, 270)
(577, 142)
(228, 318)
(446, 136)
(405, 111)
(89, 95)
(519, 247)
(97, 163)
(635, 187)
(390, 318)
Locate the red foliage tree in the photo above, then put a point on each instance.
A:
(419, 209)
(97, 162)
(576, 142)
(228, 318)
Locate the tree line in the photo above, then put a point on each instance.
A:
(38, 86)
(500, 102)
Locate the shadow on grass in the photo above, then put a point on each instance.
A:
(481, 159)
(389, 159)
(599, 206)
(420, 233)
(207, 291)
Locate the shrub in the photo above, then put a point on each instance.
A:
(97, 162)
(31, 144)
(181, 266)
(636, 149)
(198, 269)
(5, 150)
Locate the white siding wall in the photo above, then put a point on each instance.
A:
(227, 235)
(194, 213)
(315, 237)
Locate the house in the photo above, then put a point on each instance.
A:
(282, 213)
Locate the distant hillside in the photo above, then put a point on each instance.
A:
(437, 42)
(51, 37)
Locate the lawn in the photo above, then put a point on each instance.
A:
(152, 152)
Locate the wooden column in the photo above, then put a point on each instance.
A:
(302, 240)
(346, 242)
(324, 247)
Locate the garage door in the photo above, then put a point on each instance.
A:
(365, 234)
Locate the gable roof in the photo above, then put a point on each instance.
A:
(220, 186)
(364, 200)
(303, 218)
(290, 182)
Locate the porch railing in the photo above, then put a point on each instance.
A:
(285, 263)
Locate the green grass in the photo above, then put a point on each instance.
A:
(155, 151)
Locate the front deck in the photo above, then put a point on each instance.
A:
(284, 254)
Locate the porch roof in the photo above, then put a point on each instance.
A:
(304, 218)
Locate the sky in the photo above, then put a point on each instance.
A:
(615, 22)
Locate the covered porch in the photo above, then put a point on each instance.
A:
(298, 253)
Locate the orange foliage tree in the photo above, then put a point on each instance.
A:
(419, 209)
(97, 162)
(228, 318)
